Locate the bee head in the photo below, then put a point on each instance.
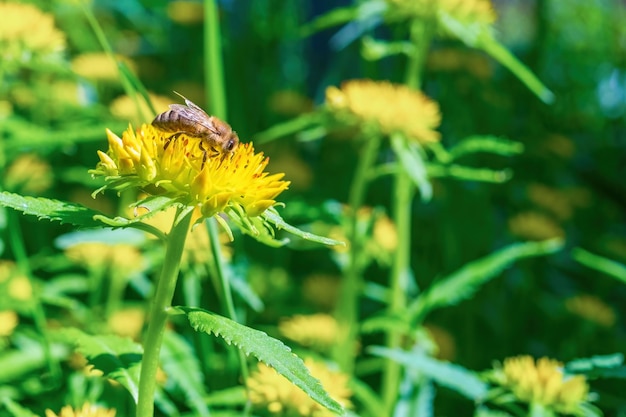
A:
(232, 142)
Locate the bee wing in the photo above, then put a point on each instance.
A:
(194, 114)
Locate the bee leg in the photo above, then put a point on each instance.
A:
(204, 154)
(170, 139)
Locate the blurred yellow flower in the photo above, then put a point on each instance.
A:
(127, 322)
(26, 30)
(18, 285)
(385, 234)
(142, 159)
(543, 382)
(8, 322)
(87, 410)
(273, 392)
(317, 331)
(591, 308)
(321, 290)
(125, 107)
(534, 226)
(185, 12)
(446, 346)
(450, 59)
(551, 199)
(466, 11)
(290, 103)
(28, 174)
(98, 66)
(121, 259)
(390, 107)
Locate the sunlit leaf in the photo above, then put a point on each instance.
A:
(486, 144)
(274, 218)
(265, 348)
(449, 375)
(463, 283)
(290, 127)
(596, 367)
(412, 162)
(50, 209)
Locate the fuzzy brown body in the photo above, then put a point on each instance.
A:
(191, 120)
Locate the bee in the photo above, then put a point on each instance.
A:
(191, 120)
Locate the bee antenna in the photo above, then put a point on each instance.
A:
(180, 95)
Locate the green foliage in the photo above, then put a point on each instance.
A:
(462, 284)
(455, 377)
(118, 358)
(606, 366)
(599, 263)
(266, 349)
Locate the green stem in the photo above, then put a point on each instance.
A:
(39, 315)
(227, 295)
(213, 62)
(401, 212)
(347, 312)
(158, 313)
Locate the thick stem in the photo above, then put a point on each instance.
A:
(158, 313)
(347, 312)
(213, 61)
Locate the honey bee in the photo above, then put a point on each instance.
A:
(191, 120)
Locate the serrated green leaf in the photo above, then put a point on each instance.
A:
(481, 36)
(50, 209)
(600, 263)
(118, 358)
(466, 281)
(455, 377)
(182, 367)
(271, 351)
(412, 163)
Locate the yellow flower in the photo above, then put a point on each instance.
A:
(534, 226)
(98, 66)
(467, 11)
(317, 331)
(127, 322)
(28, 174)
(543, 382)
(18, 285)
(269, 390)
(178, 170)
(87, 410)
(389, 107)
(185, 12)
(125, 107)
(8, 322)
(591, 308)
(121, 259)
(446, 346)
(551, 199)
(26, 30)
(321, 290)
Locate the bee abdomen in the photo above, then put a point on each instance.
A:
(169, 121)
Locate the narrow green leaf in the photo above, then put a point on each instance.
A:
(50, 209)
(182, 367)
(28, 357)
(371, 404)
(486, 144)
(373, 50)
(118, 358)
(466, 173)
(486, 412)
(267, 349)
(449, 375)
(412, 162)
(466, 281)
(274, 218)
(289, 127)
(602, 366)
(599, 263)
(481, 36)
(333, 18)
(16, 409)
